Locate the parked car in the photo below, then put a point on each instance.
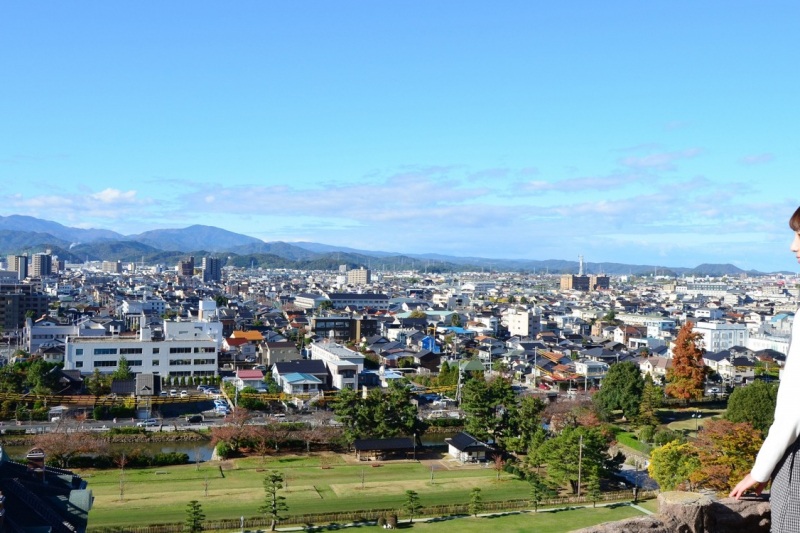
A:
(150, 422)
(194, 419)
(184, 394)
(173, 392)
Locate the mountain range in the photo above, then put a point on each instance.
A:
(21, 234)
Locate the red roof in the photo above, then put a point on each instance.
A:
(249, 374)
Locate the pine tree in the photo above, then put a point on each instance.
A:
(412, 505)
(475, 502)
(651, 400)
(540, 490)
(274, 504)
(194, 517)
(593, 487)
(686, 377)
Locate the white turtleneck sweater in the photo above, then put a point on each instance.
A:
(786, 427)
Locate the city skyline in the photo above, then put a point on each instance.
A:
(633, 133)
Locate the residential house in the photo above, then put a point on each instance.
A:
(249, 378)
(278, 351)
(467, 449)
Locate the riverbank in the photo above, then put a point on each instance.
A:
(121, 438)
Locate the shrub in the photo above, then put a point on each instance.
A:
(646, 433)
(224, 450)
(664, 436)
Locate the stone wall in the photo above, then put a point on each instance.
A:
(689, 512)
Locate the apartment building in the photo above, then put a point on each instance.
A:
(718, 336)
(344, 365)
(180, 350)
(360, 276)
(525, 323)
(18, 301)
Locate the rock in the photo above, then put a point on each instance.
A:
(689, 512)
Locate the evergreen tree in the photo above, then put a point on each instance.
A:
(274, 504)
(576, 448)
(411, 505)
(475, 502)
(123, 371)
(41, 378)
(593, 486)
(540, 490)
(754, 404)
(526, 424)
(622, 389)
(194, 518)
(686, 377)
(652, 398)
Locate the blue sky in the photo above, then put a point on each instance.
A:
(636, 132)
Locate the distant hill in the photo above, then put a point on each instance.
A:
(280, 249)
(19, 234)
(195, 237)
(18, 242)
(37, 225)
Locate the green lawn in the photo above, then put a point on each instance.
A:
(544, 522)
(160, 495)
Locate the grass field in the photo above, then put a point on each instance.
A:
(561, 521)
(234, 488)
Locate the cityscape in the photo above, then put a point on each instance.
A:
(431, 265)
(199, 344)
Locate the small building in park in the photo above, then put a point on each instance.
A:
(381, 449)
(467, 449)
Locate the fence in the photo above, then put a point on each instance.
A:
(371, 515)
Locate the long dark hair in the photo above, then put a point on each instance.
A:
(794, 222)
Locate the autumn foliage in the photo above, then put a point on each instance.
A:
(726, 451)
(686, 377)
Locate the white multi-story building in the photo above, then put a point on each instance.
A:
(344, 365)
(47, 332)
(340, 300)
(525, 323)
(718, 336)
(181, 350)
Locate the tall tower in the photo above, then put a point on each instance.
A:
(580, 265)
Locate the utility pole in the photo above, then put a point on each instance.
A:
(580, 460)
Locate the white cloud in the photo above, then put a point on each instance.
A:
(114, 196)
(757, 159)
(660, 161)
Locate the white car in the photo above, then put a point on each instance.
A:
(184, 394)
(150, 422)
(173, 392)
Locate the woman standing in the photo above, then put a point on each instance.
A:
(779, 457)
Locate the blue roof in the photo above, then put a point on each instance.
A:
(295, 377)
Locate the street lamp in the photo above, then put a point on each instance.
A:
(415, 446)
(697, 416)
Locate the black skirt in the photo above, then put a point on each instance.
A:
(785, 492)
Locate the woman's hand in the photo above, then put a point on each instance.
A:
(744, 485)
